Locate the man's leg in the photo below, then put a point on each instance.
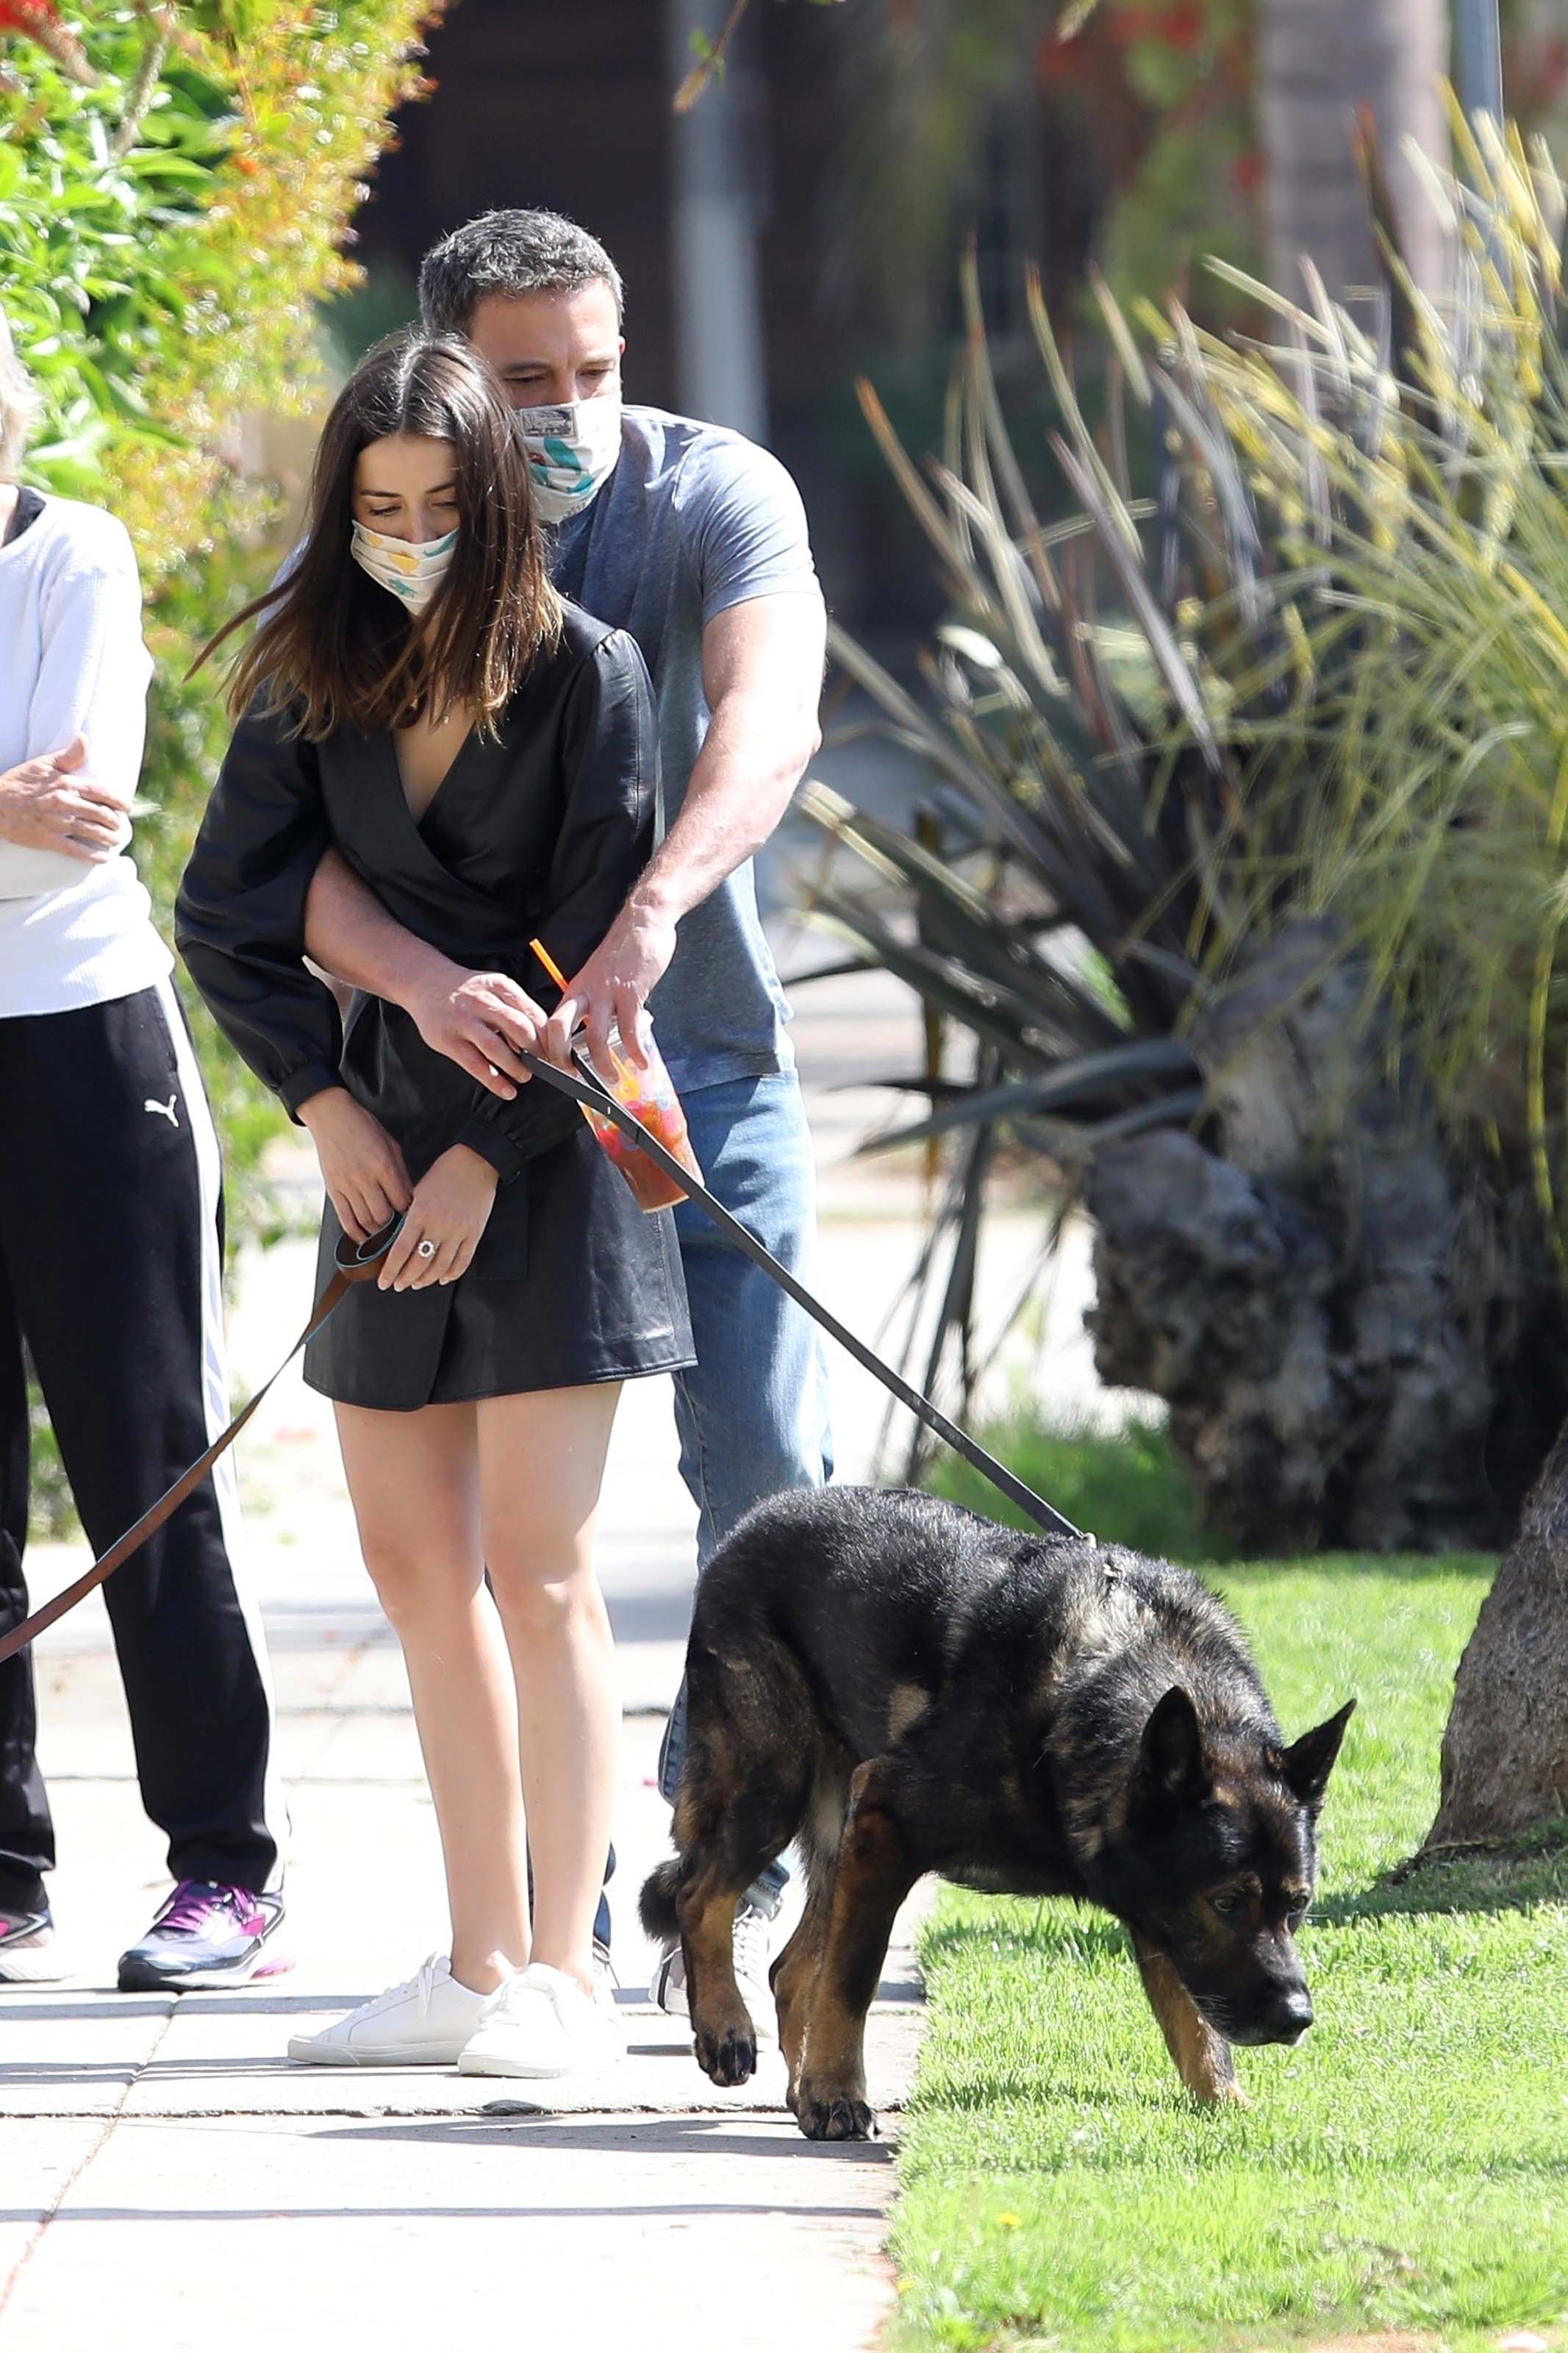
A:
(753, 1411)
(120, 1291)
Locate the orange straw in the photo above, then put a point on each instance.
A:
(559, 977)
(548, 961)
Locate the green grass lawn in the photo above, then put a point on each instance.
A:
(1406, 2168)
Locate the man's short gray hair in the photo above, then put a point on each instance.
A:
(18, 406)
(508, 254)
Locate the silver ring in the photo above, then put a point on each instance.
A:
(426, 1250)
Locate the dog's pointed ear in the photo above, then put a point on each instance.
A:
(1309, 1761)
(1172, 1753)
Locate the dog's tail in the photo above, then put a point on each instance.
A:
(655, 1905)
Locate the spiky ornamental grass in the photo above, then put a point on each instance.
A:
(1319, 670)
(1418, 789)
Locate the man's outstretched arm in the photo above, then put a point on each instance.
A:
(762, 663)
(477, 1019)
(761, 674)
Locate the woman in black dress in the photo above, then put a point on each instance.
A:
(486, 757)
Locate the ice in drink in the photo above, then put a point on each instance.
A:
(649, 1097)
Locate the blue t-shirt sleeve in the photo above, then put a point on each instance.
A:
(747, 528)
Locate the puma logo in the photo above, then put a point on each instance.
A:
(164, 1110)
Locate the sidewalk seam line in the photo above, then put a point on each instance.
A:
(88, 2159)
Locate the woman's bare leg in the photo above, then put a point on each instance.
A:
(542, 1461)
(413, 1479)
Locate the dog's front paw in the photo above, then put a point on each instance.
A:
(726, 2054)
(825, 2114)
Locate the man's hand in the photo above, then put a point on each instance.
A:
(362, 1167)
(479, 1020)
(46, 804)
(613, 985)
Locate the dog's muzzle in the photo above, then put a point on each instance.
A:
(1284, 2017)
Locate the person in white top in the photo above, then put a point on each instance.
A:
(110, 1258)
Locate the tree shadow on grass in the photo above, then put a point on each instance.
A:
(1487, 1875)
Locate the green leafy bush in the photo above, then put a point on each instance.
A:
(168, 231)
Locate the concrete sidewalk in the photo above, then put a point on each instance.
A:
(153, 2149)
(638, 2209)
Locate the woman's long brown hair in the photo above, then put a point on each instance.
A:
(334, 649)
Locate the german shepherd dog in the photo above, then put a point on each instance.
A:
(902, 1687)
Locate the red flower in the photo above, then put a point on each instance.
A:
(1183, 25)
(39, 21)
(1179, 25)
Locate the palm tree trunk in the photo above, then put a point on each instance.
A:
(1505, 1752)
(1359, 1347)
(1318, 61)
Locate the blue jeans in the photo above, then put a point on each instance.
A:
(751, 1412)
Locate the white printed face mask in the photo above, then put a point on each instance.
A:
(572, 452)
(413, 569)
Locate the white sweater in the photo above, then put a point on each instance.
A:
(72, 661)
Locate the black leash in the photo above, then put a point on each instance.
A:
(583, 1083)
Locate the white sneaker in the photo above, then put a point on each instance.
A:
(540, 2023)
(424, 2022)
(28, 1953)
(751, 1945)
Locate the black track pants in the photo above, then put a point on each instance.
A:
(110, 1268)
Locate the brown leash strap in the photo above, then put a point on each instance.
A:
(355, 1261)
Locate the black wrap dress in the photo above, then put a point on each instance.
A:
(541, 833)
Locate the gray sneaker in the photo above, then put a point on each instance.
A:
(753, 1935)
(29, 1954)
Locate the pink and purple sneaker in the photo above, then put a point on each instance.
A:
(205, 1935)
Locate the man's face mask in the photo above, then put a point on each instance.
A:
(572, 452)
(411, 569)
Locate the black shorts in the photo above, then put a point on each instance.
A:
(572, 1283)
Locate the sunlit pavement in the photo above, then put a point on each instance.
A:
(152, 2148)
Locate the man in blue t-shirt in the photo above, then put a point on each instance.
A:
(695, 540)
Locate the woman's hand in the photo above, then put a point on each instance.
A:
(46, 804)
(362, 1167)
(450, 1210)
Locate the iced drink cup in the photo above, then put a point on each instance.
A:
(649, 1097)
